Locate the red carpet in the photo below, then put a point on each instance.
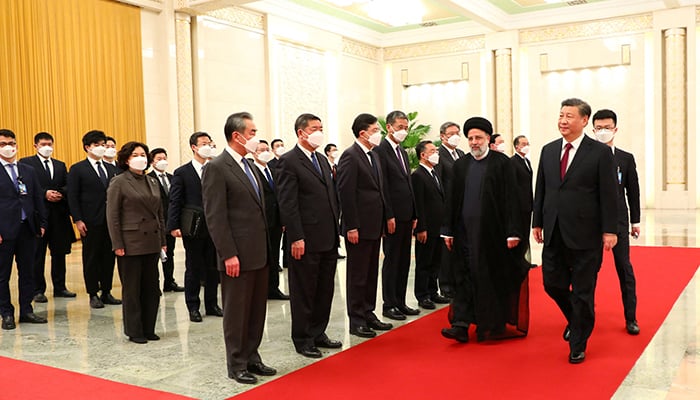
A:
(415, 362)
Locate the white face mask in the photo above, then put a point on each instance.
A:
(265, 157)
(98, 151)
(251, 145)
(138, 163)
(604, 135)
(334, 154)
(525, 149)
(400, 135)
(214, 152)
(205, 151)
(45, 151)
(375, 139)
(110, 152)
(161, 165)
(315, 139)
(453, 140)
(279, 151)
(434, 158)
(501, 147)
(8, 151)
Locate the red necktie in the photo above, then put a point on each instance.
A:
(564, 160)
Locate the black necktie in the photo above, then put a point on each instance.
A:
(373, 163)
(102, 173)
(165, 183)
(437, 181)
(48, 170)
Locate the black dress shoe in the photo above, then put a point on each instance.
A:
(32, 318)
(427, 304)
(437, 299)
(109, 299)
(215, 310)
(328, 343)
(363, 331)
(173, 287)
(195, 316)
(277, 295)
(567, 334)
(632, 327)
(406, 310)
(577, 357)
(95, 302)
(243, 376)
(378, 325)
(8, 322)
(261, 369)
(40, 298)
(152, 336)
(64, 293)
(394, 313)
(310, 352)
(139, 340)
(458, 333)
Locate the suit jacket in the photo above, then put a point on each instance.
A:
(397, 182)
(235, 214)
(135, 214)
(272, 211)
(523, 182)
(12, 203)
(446, 164)
(627, 183)
(185, 190)
(430, 201)
(61, 231)
(87, 196)
(361, 192)
(584, 204)
(164, 196)
(308, 201)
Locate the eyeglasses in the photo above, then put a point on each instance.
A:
(3, 144)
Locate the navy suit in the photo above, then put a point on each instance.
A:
(59, 234)
(169, 264)
(87, 199)
(200, 253)
(19, 237)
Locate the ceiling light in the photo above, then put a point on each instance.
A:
(396, 12)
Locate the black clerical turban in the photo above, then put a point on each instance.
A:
(478, 123)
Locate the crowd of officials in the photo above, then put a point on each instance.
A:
(468, 216)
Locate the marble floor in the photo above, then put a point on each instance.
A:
(189, 358)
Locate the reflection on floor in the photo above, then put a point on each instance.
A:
(189, 359)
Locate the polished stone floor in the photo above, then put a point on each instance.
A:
(189, 358)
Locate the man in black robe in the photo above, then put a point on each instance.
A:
(482, 225)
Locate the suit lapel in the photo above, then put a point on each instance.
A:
(306, 162)
(240, 174)
(579, 157)
(153, 189)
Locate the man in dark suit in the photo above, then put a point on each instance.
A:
(200, 253)
(605, 128)
(575, 216)
(523, 182)
(309, 209)
(449, 153)
(274, 225)
(363, 222)
(235, 209)
(53, 179)
(159, 162)
(87, 197)
(23, 219)
(400, 217)
(278, 149)
(429, 195)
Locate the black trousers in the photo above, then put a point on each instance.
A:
(397, 263)
(245, 304)
(311, 286)
(625, 273)
(98, 260)
(273, 283)
(446, 275)
(58, 267)
(200, 269)
(428, 261)
(362, 271)
(570, 277)
(22, 250)
(140, 293)
(169, 264)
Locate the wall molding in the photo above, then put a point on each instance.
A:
(588, 29)
(450, 46)
(239, 16)
(362, 50)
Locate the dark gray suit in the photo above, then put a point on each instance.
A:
(235, 216)
(449, 259)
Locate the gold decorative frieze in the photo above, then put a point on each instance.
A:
(239, 16)
(588, 29)
(459, 45)
(359, 49)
